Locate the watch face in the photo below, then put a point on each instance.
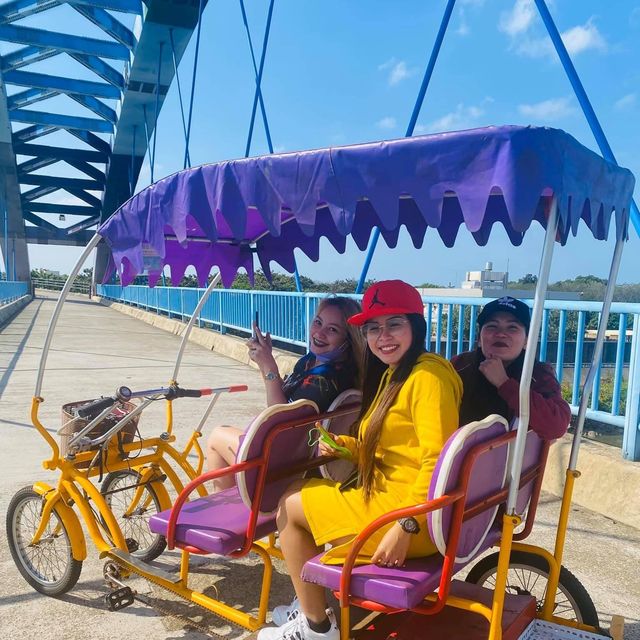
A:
(410, 525)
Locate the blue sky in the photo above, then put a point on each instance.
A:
(345, 72)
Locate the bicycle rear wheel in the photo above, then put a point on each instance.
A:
(119, 490)
(47, 566)
(528, 574)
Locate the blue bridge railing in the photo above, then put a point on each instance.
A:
(565, 341)
(10, 291)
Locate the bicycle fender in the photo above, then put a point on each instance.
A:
(68, 516)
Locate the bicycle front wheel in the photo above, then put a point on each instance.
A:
(528, 574)
(132, 509)
(48, 566)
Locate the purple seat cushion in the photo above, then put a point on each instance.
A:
(215, 523)
(488, 476)
(401, 587)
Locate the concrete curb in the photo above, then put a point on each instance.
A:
(229, 346)
(608, 484)
(8, 311)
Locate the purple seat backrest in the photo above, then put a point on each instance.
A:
(340, 469)
(289, 448)
(488, 476)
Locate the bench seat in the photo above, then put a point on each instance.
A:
(401, 587)
(216, 523)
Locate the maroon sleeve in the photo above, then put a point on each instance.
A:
(550, 413)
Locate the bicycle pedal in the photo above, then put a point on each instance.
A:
(119, 599)
(132, 545)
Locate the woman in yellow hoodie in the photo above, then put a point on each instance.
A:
(410, 408)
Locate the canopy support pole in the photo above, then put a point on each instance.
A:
(583, 99)
(587, 387)
(58, 308)
(444, 24)
(194, 316)
(530, 356)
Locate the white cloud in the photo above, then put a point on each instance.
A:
(463, 29)
(462, 117)
(388, 122)
(397, 69)
(548, 110)
(634, 17)
(625, 102)
(583, 37)
(519, 19)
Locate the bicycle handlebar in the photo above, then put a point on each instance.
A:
(124, 394)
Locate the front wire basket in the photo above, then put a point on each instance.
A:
(73, 424)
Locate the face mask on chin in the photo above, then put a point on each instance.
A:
(329, 356)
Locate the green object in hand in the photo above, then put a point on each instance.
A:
(324, 437)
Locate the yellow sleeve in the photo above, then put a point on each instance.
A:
(434, 404)
(352, 444)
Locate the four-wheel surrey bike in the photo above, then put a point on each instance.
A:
(488, 478)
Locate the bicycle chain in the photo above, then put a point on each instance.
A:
(116, 580)
(198, 626)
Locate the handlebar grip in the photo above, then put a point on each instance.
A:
(189, 393)
(95, 407)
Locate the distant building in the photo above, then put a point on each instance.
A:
(493, 284)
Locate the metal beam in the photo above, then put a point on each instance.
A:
(37, 235)
(81, 194)
(81, 226)
(19, 9)
(64, 85)
(124, 6)
(62, 183)
(108, 24)
(64, 42)
(60, 153)
(101, 69)
(67, 209)
(30, 96)
(97, 106)
(38, 221)
(26, 55)
(67, 122)
(34, 165)
(40, 192)
(31, 133)
(87, 169)
(92, 140)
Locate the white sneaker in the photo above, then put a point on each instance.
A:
(285, 612)
(298, 629)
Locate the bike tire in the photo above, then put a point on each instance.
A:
(525, 572)
(136, 526)
(49, 566)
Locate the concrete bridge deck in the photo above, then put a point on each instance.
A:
(97, 349)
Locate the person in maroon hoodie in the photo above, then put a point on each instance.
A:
(491, 374)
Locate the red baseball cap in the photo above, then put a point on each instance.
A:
(388, 297)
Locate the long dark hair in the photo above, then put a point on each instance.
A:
(373, 370)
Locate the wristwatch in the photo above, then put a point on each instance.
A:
(271, 375)
(409, 525)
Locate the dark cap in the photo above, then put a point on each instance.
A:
(388, 297)
(507, 304)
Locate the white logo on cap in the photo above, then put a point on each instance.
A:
(507, 301)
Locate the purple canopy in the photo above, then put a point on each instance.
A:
(221, 214)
